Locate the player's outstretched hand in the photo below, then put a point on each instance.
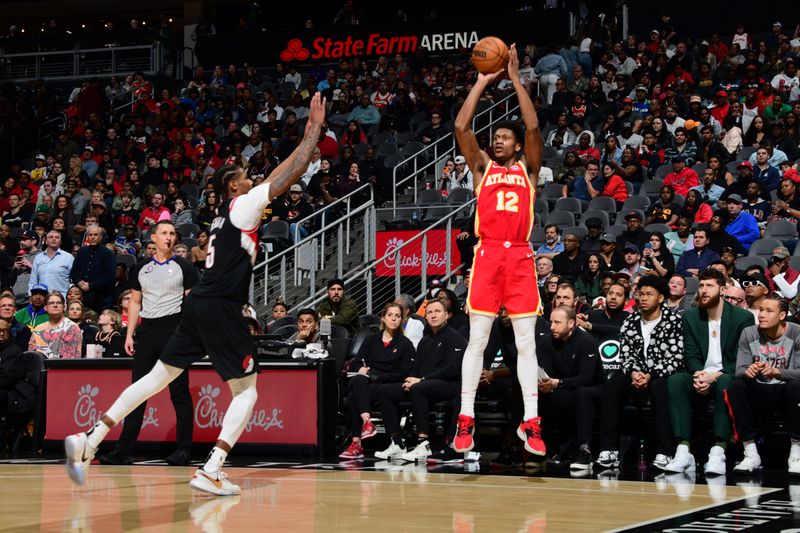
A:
(317, 110)
(513, 62)
(487, 79)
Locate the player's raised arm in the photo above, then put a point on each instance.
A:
(289, 171)
(476, 158)
(533, 136)
(247, 209)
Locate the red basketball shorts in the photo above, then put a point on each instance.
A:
(504, 274)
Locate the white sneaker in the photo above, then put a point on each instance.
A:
(749, 464)
(794, 465)
(79, 457)
(392, 451)
(661, 461)
(608, 459)
(682, 462)
(420, 453)
(214, 484)
(716, 462)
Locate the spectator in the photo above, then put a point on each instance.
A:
(578, 187)
(126, 242)
(341, 309)
(711, 334)
(552, 245)
(413, 325)
(384, 357)
(756, 288)
(52, 267)
(736, 296)
(591, 242)
(435, 131)
(93, 271)
(435, 376)
(154, 213)
(695, 209)
(17, 396)
(676, 301)
(613, 186)
(666, 210)
(742, 226)
(109, 323)
(549, 69)
(719, 238)
(610, 256)
(294, 209)
(364, 113)
(20, 333)
(709, 191)
(35, 312)
(682, 178)
(200, 251)
(764, 172)
(656, 259)
(787, 205)
(635, 234)
(766, 381)
(588, 283)
(569, 357)
(651, 350)
(683, 147)
(58, 337)
(699, 258)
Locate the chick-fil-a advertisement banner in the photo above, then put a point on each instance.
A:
(411, 256)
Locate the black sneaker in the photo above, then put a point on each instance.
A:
(445, 456)
(179, 457)
(509, 458)
(582, 460)
(115, 458)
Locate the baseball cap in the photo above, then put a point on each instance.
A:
(735, 198)
(621, 275)
(459, 160)
(296, 188)
(695, 98)
(633, 214)
(778, 24)
(641, 88)
(777, 124)
(781, 252)
(88, 148)
(691, 124)
(335, 281)
(39, 287)
(27, 235)
(722, 93)
(41, 157)
(751, 67)
(594, 221)
(747, 164)
(42, 208)
(678, 157)
(605, 237)
(630, 247)
(627, 100)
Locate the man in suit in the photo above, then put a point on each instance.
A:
(711, 335)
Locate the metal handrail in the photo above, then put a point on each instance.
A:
(448, 139)
(447, 221)
(81, 50)
(346, 197)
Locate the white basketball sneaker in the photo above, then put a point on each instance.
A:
(79, 457)
(216, 484)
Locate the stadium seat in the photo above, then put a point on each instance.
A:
(657, 226)
(549, 152)
(429, 197)
(746, 152)
(436, 212)
(562, 219)
(636, 202)
(603, 203)
(651, 189)
(580, 231)
(188, 230)
(615, 231)
(662, 171)
(743, 263)
(126, 259)
(572, 205)
(784, 230)
(361, 150)
(763, 248)
(459, 196)
(538, 237)
(597, 213)
(385, 150)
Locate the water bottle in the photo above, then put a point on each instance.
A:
(642, 461)
(414, 216)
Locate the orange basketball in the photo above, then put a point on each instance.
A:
(489, 55)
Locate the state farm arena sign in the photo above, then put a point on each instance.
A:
(376, 44)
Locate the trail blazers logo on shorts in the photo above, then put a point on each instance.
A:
(248, 363)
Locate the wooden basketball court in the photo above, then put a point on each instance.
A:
(39, 497)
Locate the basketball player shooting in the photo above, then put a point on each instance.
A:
(212, 319)
(503, 271)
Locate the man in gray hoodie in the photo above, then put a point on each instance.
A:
(767, 380)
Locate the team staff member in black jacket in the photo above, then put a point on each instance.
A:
(434, 377)
(385, 357)
(569, 356)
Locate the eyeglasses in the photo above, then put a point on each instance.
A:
(747, 284)
(734, 300)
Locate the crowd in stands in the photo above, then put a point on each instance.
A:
(666, 229)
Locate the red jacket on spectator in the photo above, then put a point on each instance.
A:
(681, 183)
(328, 147)
(152, 214)
(616, 189)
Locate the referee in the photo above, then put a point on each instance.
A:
(158, 286)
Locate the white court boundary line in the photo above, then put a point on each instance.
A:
(696, 509)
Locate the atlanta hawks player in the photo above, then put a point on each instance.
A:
(212, 319)
(503, 271)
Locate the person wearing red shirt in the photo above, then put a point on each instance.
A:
(153, 213)
(679, 76)
(328, 148)
(613, 186)
(682, 178)
(586, 152)
(721, 107)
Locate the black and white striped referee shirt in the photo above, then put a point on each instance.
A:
(162, 285)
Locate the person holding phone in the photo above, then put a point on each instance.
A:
(656, 259)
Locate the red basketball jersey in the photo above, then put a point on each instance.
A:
(505, 204)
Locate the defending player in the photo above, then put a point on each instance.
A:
(503, 271)
(211, 322)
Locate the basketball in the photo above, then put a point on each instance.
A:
(489, 55)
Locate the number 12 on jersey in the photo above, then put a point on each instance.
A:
(507, 201)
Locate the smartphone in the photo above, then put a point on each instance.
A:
(648, 246)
